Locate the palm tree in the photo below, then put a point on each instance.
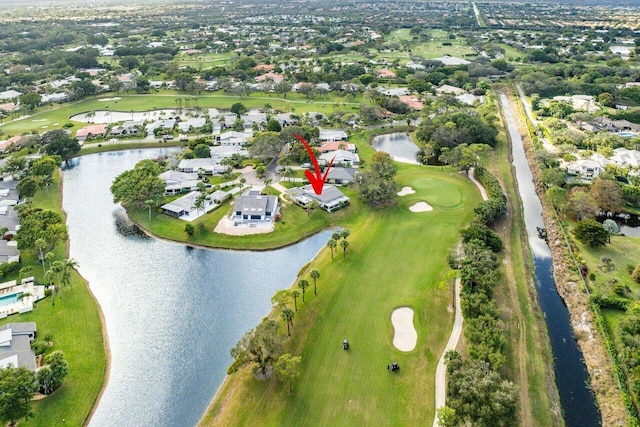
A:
(69, 264)
(336, 236)
(267, 182)
(48, 277)
(295, 294)
(149, 204)
(315, 274)
(41, 245)
(303, 284)
(46, 180)
(331, 244)
(344, 244)
(287, 315)
(3, 231)
(345, 233)
(199, 203)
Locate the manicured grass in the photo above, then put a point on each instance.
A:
(623, 251)
(396, 258)
(48, 118)
(294, 226)
(74, 322)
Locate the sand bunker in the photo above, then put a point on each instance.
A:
(405, 191)
(421, 207)
(226, 226)
(405, 336)
(117, 98)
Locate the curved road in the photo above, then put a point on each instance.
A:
(441, 369)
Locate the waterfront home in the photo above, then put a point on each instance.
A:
(168, 124)
(15, 345)
(253, 206)
(184, 207)
(220, 152)
(331, 198)
(179, 182)
(91, 131)
(341, 157)
(192, 124)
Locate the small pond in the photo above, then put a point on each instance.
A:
(399, 145)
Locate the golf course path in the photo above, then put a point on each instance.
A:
(441, 369)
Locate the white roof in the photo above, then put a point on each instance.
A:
(11, 360)
(5, 338)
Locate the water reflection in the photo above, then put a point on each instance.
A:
(399, 145)
(172, 312)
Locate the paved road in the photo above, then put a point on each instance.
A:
(441, 369)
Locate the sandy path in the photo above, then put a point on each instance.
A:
(441, 369)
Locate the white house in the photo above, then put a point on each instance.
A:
(587, 169)
(333, 135)
(252, 206)
(9, 251)
(179, 182)
(233, 138)
(340, 157)
(184, 207)
(15, 345)
(626, 158)
(192, 124)
(208, 166)
(330, 199)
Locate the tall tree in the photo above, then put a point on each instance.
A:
(287, 315)
(315, 275)
(288, 368)
(303, 284)
(344, 244)
(607, 195)
(261, 345)
(60, 145)
(295, 294)
(377, 186)
(17, 387)
(135, 186)
(331, 244)
(36, 223)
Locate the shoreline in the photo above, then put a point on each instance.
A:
(595, 356)
(103, 325)
(214, 399)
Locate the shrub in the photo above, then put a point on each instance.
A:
(636, 274)
(591, 232)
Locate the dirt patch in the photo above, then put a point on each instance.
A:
(421, 207)
(227, 226)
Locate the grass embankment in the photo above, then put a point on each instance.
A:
(396, 258)
(529, 358)
(74, 322)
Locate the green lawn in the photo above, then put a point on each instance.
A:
(74, 322)
(54, 117)
(623, 251)
(396, 258)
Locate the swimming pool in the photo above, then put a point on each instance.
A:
(9, 299)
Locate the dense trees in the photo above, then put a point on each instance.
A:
(44, 224)
(607, 195)
(261, 346)
(591, 232)
(266, 145)
(452, 129)
(58, 142)
(376, 185)
(17, 387)
(133, 187)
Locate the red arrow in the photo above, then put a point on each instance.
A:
(317, 181)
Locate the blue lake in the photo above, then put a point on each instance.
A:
(172, 312)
